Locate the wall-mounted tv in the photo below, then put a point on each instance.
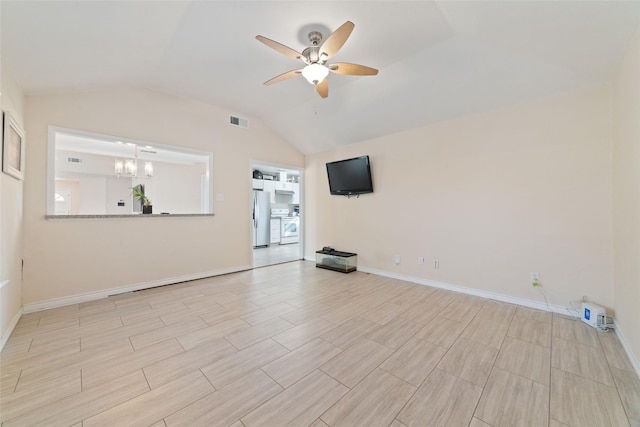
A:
(350, 176)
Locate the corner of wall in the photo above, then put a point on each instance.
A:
(11, 233)
(626, 199)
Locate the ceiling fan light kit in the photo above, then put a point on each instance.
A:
(315, 73)
(315, 58)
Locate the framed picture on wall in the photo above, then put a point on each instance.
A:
(13, 144)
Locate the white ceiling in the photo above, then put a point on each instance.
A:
(81, 142)
(437, 60)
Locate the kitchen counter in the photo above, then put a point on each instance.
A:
(124, 216)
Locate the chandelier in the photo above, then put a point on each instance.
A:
(129, 167)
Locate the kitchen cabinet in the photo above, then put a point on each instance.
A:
(258, 184)
(275, 230)
(283, 185)
(270, 186)
(296, 193)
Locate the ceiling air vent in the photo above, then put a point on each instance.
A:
(238, 121)
(74, 160)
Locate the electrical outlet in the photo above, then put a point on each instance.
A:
(420, 260)
(436, 264)
(535, 279)
(396, 259)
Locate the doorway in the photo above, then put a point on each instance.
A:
(276, 214)
(63, 201)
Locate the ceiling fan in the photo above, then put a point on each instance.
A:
(316, 56)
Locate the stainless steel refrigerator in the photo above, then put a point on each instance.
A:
(261, 218)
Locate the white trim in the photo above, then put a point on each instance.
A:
(4, 283)
(461, 289)
(627, 349)
(51, 169)
(12, 326)
(91, 296)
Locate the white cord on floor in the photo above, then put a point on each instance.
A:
(544, 296)
(573, 309)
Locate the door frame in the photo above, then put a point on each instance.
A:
(256, 164)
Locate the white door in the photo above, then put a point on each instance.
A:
(63, 201)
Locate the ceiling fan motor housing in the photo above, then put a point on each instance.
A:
(312, 53)
(315, 37)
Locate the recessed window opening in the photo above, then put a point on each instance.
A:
(108, 172)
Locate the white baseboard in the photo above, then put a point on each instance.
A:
(9, 330)
(483, 294)
(627, 349)
(476, 292)
(91, 296)
(499, 297)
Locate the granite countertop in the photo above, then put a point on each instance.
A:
(126, 216)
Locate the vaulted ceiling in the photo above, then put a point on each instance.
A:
(437, 60)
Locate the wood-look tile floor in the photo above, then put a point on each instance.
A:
(276, 254)
(294, 345)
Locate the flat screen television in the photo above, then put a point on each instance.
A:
(350, 176)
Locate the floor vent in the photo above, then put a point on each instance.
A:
(238, 121)
(74, 160)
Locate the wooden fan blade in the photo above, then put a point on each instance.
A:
(334, 42)
(352, 69)
(283, 76)
(287, 51)
(323, 88)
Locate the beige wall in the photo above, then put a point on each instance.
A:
(626, 197)
(80, 256)
(11, 193)
(492, 197)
